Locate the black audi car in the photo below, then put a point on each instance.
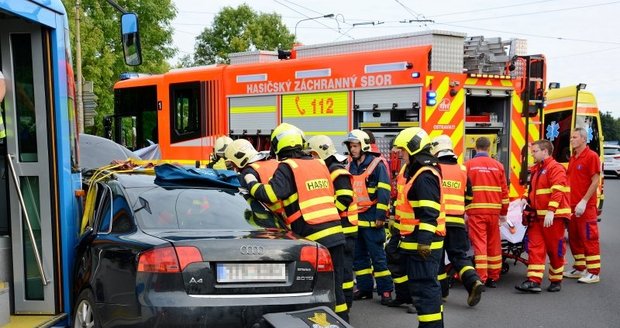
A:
(165, 252)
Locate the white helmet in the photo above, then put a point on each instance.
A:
(220, 145)
(358, 136)
(324, 147)
(442, 146)
(241, 153)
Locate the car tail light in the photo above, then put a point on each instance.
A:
(167, 260)
(318, 257)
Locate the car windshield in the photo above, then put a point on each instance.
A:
(612, 150)
(159, 208)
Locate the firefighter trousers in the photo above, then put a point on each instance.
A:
(485, 239)
(543, 242)
(337, 254)
(583, 239)
(425, 289)
(369, 247)
(397, 264)
(456, 246)
(348, 283)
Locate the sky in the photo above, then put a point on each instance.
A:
(580, 39)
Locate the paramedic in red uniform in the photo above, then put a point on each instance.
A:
(488, 206)
(548, 196)
(584, 171)
(304, 185)
(371, 185)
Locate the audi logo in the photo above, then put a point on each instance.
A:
(252, 250)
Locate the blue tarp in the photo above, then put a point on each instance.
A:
(174, 175)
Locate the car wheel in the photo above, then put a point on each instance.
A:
(84, 312)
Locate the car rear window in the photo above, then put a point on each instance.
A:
(169, 209)
(612, 150)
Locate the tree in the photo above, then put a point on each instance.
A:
(102, 52)
(610, 126)
(240, 29)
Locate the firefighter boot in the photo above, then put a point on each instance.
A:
(360, 295)
(386, 298)
(475, 293)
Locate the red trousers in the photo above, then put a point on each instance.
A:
(584, 243)
(485, 240)
(543, 242)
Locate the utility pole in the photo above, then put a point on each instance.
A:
(78, 70)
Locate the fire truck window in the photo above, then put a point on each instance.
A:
(185, 111)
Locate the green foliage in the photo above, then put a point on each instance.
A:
(102, 52)
(611, 127)
(240, 29)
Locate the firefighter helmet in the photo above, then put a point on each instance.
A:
(442, 146)
(220, 145)
(241, 153)
(358, 136)
(287, 136)
(413, 140)
(324, 147)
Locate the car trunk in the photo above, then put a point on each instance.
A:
(234, 263)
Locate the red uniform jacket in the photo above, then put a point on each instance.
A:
(488, 182)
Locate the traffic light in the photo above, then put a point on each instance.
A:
(431, 98)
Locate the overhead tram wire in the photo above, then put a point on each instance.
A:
(329, 27)
(494, 8)
(414, 14)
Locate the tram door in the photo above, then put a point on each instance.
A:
(28, 148)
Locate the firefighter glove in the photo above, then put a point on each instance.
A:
(424, 250)
(548, 219)
(249, 178)
(580, 208)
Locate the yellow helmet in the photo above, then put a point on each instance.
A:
(358, 136)
(287, 136)
(220, 145)
(413, 140)
(241, 153)
(442, 144)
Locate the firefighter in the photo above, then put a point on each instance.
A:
(218, 159)
(322, 147)
(397, 262)
(371, 185)
(456, 190)
(488, 206)
(421, 227)
(548, 196)
(584, 173)
(304, 185)
(245, 159)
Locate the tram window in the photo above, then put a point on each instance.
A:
(185, 111)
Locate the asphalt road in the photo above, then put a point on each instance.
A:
(577, 305)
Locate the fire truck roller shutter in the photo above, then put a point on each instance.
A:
(377, 105)
(250, 114)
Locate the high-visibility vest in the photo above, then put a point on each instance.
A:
(349, 217)
(400, 197)
(315, 192)
(265, 170)
(408, 221)
(361, 190)
(453, 186)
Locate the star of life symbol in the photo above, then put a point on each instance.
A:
(553, 130)
(590, 133)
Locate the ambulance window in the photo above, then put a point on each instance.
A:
(591, 124)
(185, 116)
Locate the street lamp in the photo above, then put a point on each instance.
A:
(311, 18)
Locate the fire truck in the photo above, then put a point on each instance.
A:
(441, 81)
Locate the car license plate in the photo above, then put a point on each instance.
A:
(251, 272)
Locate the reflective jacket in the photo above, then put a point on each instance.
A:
(265, 170)
(2, 130)
(549, 190)
(415, 227)
(343, 186)
(488, 181)
(453, 191)
(372, 188)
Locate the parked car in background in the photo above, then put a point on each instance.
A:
(611, 166)
(160, 252)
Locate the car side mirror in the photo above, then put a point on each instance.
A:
(130, 33)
